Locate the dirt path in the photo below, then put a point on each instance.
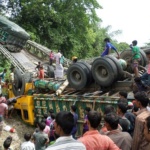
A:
(18, 137)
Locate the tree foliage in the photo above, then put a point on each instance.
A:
(69, 25)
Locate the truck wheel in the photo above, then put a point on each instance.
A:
(77, 76)
(118, 65)
(104, 71)
(50, 71)
(89, 73)
(127, 56)
(144, 58)
(17, 78)
(26, 78)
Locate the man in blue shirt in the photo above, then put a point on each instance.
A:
(108, 48)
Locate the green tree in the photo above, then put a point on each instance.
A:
(60, 24)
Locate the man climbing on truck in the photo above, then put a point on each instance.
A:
(135, 57)
(108, 47)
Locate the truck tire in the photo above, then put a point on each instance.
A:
(127, 56)
(89, 73)
(144, 58)
(77, 77)
(26, 78)
(17, 78)
(118, 65)
(50, 71)
(104, 71)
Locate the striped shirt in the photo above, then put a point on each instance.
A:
(66, 143)
(139, 141)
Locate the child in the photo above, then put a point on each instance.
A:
(27, 145)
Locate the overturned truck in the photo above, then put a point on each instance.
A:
(92, 85)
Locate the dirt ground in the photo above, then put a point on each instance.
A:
(20, 127)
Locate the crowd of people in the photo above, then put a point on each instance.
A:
(125, 127)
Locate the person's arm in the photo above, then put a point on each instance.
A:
(115, 51)
(117, 54)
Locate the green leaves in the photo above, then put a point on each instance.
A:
(70, 25)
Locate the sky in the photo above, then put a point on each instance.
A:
(132, 17)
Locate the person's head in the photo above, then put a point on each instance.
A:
(39, 63)
(87, 110)
(94, 119)
(134, 42)
(41, 125)
(73, 108)
(7, 142)
(45, 116)
(111, 121)
(147, 129)
(108, 109)
(51, 111)
(106, 40)
(123, 94)
(12, 69)
(27, 136)
(53, 116)
(64, 123)
(141, 99)
(43, 120)
(74, 59)
(124, 123)
(122, 108)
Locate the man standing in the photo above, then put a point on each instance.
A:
(40, 138)
(92, 139)
(135, 57)
(38, 66)
(108, 48)
(122, 139)
(139, 141)
(58, 57)
(41, 73)
(51, 57)
(63, 125)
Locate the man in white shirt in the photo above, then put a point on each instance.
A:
(58, 57)
(27, 145)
